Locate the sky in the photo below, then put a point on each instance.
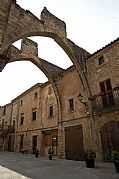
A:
(91, 24)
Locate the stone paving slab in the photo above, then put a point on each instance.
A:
(23, 166)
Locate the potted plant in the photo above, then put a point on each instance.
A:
(115, 158)
(90, 156)
(36, 152)
(50, 153)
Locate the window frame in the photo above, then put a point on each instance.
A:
(70, 104)
(22, 118)
(49, 90)
(34, 115)
(101, 60)
(50, 111)
(21, 102)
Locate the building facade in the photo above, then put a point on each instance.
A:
(78, 108)
(86, 123)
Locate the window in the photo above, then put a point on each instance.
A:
(22, 119)
(34, 114)
(50, 111)
(35, 95)
(71, 104)
(21, 102)
(106, 93)
(49, 90)
(4, 110)
(13, 124)
(101, 60)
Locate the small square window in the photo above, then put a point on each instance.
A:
(71, 104)
(101, 60)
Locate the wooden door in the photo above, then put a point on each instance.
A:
(11, 143)
(21, 143)
(34, 143)
(74, 149)
(110, 139)
(51, 140)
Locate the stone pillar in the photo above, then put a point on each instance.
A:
(61, 142)
(5, 6)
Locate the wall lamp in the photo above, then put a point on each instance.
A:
(80, 98)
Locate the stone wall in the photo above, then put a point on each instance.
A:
(5, 115)
(109, 69)
(29, 47)
(48, 100)
(97, 73)
(40, 97)
(5, 124)
(69, 87)
(25, 105)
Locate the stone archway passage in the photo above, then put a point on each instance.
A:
(109, 138)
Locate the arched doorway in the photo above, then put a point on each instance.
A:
(109, 138)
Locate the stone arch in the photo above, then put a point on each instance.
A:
(29, 52)
(20, 24)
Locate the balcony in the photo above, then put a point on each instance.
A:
(8, 130)
(107, 101)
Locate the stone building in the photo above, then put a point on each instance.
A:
(34, 117)
(5, 124)
(103, 79)
(77, 108)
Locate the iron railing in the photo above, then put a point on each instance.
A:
(105, 101)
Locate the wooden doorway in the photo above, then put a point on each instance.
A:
(109, 138)
(34, 143)
(51, 141)
(11, 143)
(74, 149)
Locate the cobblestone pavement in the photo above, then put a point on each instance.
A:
(23, 166)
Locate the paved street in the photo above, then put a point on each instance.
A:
(22, 166)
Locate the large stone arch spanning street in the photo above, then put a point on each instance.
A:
(16, 23)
